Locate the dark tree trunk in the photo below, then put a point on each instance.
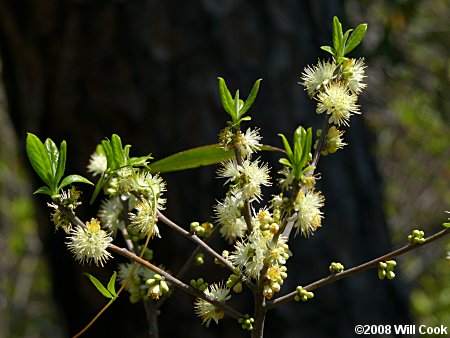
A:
(81, 70)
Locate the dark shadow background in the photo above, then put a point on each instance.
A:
(82, 70)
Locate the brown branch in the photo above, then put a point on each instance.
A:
(246, 209)
(176, 282)
(360, 268)
(204, 246)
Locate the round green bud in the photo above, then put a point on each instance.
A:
(276, 287)
(381, 274)
(150, 281)
(410, 238)
(164, 286)
(416, 233)
(297, 298)
(391, 263)
(237, 288)
(199, 259)
(382, 265)
(193, 283)
(422, 233)
(310, 295)
(390, 275)
(194, 226)
(421, 240)
(299, 289)
(203, 287)
(304, 298)
(240, 320)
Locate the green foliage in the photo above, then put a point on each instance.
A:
(236, 107)
(344, 43)
(49, 163)
(298, 158)
(192, 158)
(110, 290)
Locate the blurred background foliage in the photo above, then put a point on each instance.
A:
(407, 108)
(408, 46)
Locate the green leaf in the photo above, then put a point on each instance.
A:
(227, 100)
(99, 286)
(285, 162)
(61, 162)
(446, 225)
(251, 98)
(98, 188)
(356, 38)
(337, 35)
(38, 157)
(53, 155)
(117, 151)
(43, 190)
(106, 145)
(73, 179)
(112, 285)
(287, 148)
(191, 158)
(306, 146)
(299, 140)
(344, 39)
(329, 50)
(139, 161)
(236, 106)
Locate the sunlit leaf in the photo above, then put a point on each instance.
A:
(99, 286)
(37, 154)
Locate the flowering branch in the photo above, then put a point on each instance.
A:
(357, 269)
(205, 246)
(179, 284)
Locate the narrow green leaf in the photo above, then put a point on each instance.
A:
(43, 190)
(191, 158)
(117, 150)
(225, 96)
(236, 106)
(98, 188)
(308, 168)
(446, 225)
(347, 33)
(356, 38)
(329, 50)
(99, 286)
(106, 145)
(306, 147)
(112, 285)
(251, 98)
(53, 155)
(61, 162)
(299, 139)
(37, 155)
(285, 162)
(73, 179)
(337, 35)
(287, 148)
(139, 161)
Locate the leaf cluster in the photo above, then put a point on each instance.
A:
(298, 158)
(49, 163)
(344, 43)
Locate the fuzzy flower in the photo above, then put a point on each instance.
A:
(247, 178)
(110, 214)
(338, 102)
(309, 216)
(144, 219)
(249, 255)
(134, 283)
(97, 164)
(229, 215)
(151, 186)
(288, 177)
(354, 75)
(317, 77)
(207, 311)
(248, 143)
(90, 243)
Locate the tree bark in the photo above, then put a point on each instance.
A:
(82, 70)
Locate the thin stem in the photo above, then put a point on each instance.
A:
(325, 127)
(205, 246)
(260, 306)
(176, 282)
(360, 268)
(94, 319)
(151, 311)
(247, 207)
